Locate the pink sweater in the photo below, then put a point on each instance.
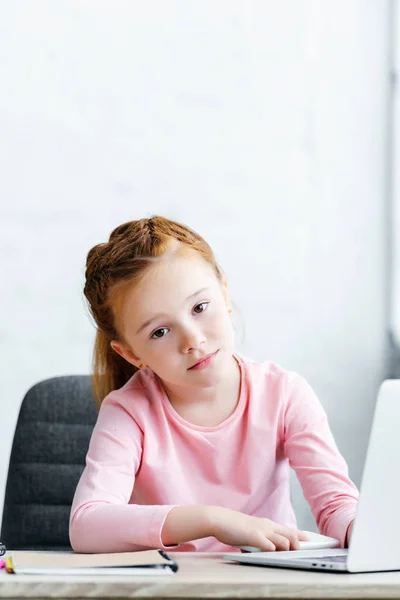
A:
(144, 459)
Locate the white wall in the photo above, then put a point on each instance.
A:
(395, 180)
(261, 124)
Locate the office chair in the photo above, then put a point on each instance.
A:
(48, 453)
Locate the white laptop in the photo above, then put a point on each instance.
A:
(375, 541)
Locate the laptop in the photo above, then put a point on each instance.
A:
(374, 544)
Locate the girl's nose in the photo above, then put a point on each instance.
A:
(192, 339)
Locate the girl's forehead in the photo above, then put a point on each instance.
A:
(179, 267)
(167, 285)
(177, 273)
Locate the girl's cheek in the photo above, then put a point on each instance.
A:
(219, 323)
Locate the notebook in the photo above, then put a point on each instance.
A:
(147, 562)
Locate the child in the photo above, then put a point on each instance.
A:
(193, 442)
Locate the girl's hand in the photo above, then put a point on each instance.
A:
(237, 529)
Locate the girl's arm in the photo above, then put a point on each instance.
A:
(187, 523)
(233, 528)
(320, 468)
(102, 520)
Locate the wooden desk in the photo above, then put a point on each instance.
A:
(206, 576)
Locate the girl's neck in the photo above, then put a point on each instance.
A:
(208, 407)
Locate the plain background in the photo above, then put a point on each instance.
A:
(394, 188)
(261, 124)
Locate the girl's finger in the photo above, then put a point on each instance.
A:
(292, 535)
(281, 542)
(260, 541)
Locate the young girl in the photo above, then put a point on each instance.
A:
(193, 442)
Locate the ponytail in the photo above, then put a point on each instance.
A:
(110, 370)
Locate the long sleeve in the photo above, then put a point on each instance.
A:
(102, 520)
(319, 466)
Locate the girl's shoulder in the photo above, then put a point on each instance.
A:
(277, 386)
(267, 371)
(137, 395)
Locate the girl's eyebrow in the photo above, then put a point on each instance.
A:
(159, 315)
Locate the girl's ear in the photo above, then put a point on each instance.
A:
(126, 353)
(224, 284)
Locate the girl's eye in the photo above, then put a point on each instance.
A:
(159, 333)
(199, 308)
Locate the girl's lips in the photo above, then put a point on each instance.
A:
(204, 362)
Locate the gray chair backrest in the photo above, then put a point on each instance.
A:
(50, 443)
